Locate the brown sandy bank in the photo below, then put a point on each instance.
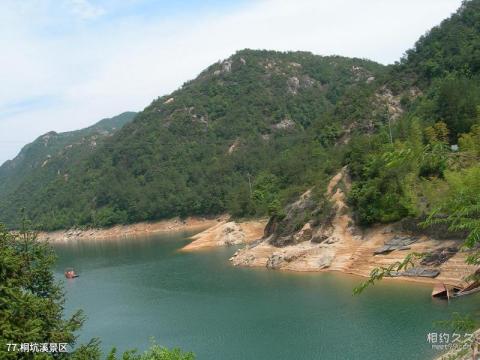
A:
(342, 246)
(132, 230)
(352, 256)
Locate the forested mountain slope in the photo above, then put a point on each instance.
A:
(52, 154)
(244, 136)
(430, 155)
(254, 131)
(416, 178)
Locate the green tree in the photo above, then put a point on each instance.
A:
(31, 301)
(438, 133)
(461, 208)
(470, 142)
(265, 194)
(31, 306)
(155, 352)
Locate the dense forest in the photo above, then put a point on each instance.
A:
(244, 137)
(52, 154)
(431, 156)
(253, 131)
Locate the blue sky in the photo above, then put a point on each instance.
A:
(66, 64)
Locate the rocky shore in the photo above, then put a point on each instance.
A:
(334, 244)
(338, 245)
(132, 230)
(228, 233)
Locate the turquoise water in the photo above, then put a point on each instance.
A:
(134, 289)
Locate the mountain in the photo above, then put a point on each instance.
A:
(444, 66)
(407, 190)
(50, 155)
(254, 131)
(35, 154)
(410, 168)
(257, 120)
(452, 47)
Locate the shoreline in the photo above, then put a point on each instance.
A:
(342, 246)
(132, 230)
(354, 258)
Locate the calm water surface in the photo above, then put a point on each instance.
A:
(135, 289)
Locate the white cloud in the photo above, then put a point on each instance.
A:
(85, 10)
(103, 65)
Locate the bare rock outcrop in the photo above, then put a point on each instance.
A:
(392, 102)
(293, 84)
(225, 68)
(285, 124)
(283, 230)
(439, 256)
(228, 233)
(293, 242)
(304, 234)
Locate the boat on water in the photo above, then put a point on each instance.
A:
(70, 273)
(443, 291)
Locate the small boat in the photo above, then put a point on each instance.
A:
(441, 291)
(70, 273)
(467, 290)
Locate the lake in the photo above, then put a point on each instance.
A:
(134, 289)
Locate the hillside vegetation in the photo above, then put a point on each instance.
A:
(433, 149)
(49, 158)
(244, 137)
(254, 131)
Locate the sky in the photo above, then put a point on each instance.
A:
(65, 64)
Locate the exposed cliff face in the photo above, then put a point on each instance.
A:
(283, 230)
(337, 244)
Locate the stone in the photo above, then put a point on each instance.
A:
(275, 261)
(280, 230)
(231, 234)
(325, 261)
(331, 240)
(398, 242)
(293, 85)
(322, 233)
(438, 256)
(227, 66)
(417, 272)
(238, 260)
(304, 234)
(284, 124)
(319, 238)
(307, 81)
